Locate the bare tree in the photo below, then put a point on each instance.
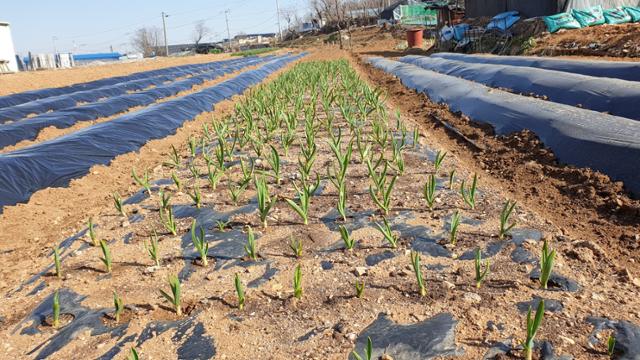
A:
(200, 32)
(316, 10)
(288, 14)
(147, 41)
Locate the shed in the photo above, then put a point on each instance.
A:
(7, 51)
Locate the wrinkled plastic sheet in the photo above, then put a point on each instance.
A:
(56, 162)
(614, 96)
(27, 96)
(13, 133)
(579, 137)
(70, 100)
(624, 70)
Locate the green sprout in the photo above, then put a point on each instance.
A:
(144, 181)
(547, 260)
(532, 328)
(469, 196)
(56, 309)
(309, 153)
(200, 243)
(106, 255)
(205, 154)
(368, 351)
(453, 230)
(507, 209)
(239, 292)
(274, 162)
(117, 202)
(439, 159)
(348, 241)
(297, 282)
(480, 274)
(250, 248)
(221, 152)
(359, 289)
(92, 233)
(57, 262)
(264, 200)
(176, 181)
(304, 196)
(192, 146)
(196, 196)
(400, 163)
(363, 146)
(118, 304)
(236, 190)
(416, 137)
(194, 171)
(387, 233)
(213, 176)
(429, 191)
(415, 262)
(174, 158)
(296, 247)
(379, 180)
(168, 221)
(286, 139)
(385, 203)
(341, 206)
(247, 172)
(222, 225)
(452, 175)
(174, 299)
(165, 200)
(611, 345)
(133, 355)
(152, 248)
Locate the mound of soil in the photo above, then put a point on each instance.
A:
(621, 40)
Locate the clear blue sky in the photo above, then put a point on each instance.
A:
(93, 26)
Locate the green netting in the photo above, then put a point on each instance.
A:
(415, 15)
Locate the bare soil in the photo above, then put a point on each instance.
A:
(621, 41)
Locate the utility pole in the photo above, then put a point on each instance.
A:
(164, 29)
(226, 18)
(278, 15)
(55, 50)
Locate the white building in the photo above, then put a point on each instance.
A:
(7, 51)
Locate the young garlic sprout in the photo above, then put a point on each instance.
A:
(174, 297)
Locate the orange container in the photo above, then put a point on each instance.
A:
(414, 38)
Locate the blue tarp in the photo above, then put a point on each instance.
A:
(97, 56)
(504, 20)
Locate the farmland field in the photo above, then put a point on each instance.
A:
(303, 203)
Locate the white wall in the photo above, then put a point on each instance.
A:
(7, 51)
